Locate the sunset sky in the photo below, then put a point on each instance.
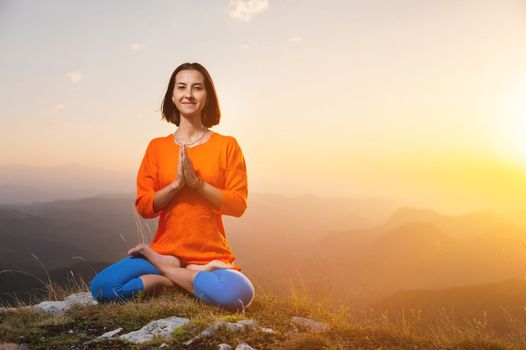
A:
(420, 101)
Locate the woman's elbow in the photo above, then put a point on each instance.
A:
(233, 207)
(240, 210)
(145, 209)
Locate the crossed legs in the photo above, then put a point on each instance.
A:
(172, 272)
(146, 270)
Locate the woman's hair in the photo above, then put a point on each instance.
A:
(210, 115)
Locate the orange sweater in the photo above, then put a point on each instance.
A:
(190, 227)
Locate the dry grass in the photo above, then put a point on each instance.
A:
(370, 331)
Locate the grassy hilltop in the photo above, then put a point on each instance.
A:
(369, 329)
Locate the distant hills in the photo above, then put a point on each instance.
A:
(502, 305)
(355, 250)
(419, 249)
(22, 184)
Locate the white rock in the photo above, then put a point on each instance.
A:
(161, 328)
(267, 330)
(51, 307)
(239, 326)
(110, 333)
(312, 325)
(224, 346)
(84, 298)
(59, 307)
(244, 346)
(163, 345)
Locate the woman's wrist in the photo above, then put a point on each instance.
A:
(198, 183)
(175, 186)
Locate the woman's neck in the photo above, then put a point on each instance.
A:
(190, 127)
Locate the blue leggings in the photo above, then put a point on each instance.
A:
(227, 288)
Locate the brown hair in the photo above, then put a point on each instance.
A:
(211, 113)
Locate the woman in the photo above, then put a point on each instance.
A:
(189, 178)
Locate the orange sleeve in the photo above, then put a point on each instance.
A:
(235, 194)
(147, 185)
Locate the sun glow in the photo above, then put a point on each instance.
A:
(510, 124)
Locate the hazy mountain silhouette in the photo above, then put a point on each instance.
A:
(502, 301)
(20, 184)
(424, 250)
(457, 225)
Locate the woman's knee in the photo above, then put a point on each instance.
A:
(120, 280)
(99, 286)
(225, 287)
(105, 286)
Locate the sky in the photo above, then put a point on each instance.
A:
(418, 100)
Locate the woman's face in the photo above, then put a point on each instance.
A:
(189, 93)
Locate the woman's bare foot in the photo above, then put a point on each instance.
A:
(211, 266)
(136, 251)
(154, 257)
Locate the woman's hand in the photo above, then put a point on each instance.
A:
(188, 169)
(179, 181)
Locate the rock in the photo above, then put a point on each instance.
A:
(267, 330)
(84, 298)
(162, 328)
(163, 345)
(239, 326)
(59, 307)
(313, 326)
(244, 346)
(110, 333)
(51, 307)
(232, 327)
(224, 346)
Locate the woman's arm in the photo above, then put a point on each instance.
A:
(211, 193)
(165, 195)
(232, 200)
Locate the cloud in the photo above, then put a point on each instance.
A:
(59, 107)
(75, 76)
(295, 38)
(137, 46)
(243, 10)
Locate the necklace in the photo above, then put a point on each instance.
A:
(190, 143)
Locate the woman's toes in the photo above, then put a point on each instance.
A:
(216, 264)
